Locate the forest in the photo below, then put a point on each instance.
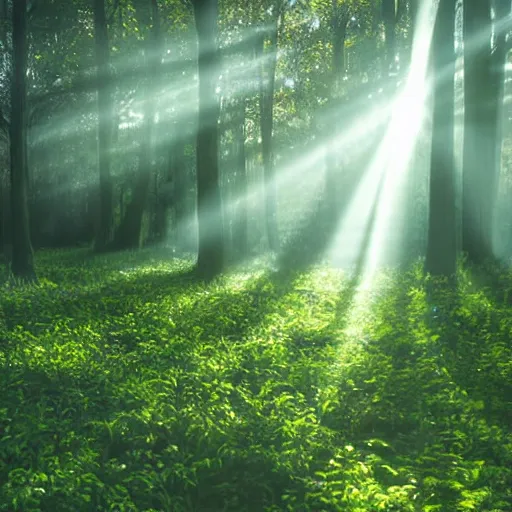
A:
(255, 255)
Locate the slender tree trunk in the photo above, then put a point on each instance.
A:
(22, 264)
(339, 34)
(480, 122)
(105, 224)
(210, 259)
(2, 212)
(410, 241)
(240, 242)
(129, 234)
(267, 85)
(6, 218)
(441, 246)
(502, 10)
(181, 188)
(174, 191)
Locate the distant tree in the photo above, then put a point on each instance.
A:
(105, 227)
(240, 220)
(341, 13)
(441, 245)
(22, 263)
(129, 233)
(5, 202)
(484, 79)
(267, 53)
(210, 259)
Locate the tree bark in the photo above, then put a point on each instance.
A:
(6, 218)
(339, 22)
(441, 245)
(240, 240)
(480, 125)
(129, 233)
(266, 97)
(22, 264)
(210, 260)
(502, 11)
(105, 223)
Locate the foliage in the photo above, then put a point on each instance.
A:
(127, 384)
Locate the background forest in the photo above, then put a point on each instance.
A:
(255, 255)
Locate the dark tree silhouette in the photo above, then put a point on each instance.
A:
(210, 259)
(22, 263)
(441, 244)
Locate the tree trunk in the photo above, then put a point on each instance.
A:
(3, 241)
(502, 10)
(181, 192)
(240, 242)
(480, 123)
(6, 226)
(22, 264)
(105, 224)
(441, 246)
(210, 259)
(173, 191)
(267, 84)
(339, 34)
(129, 234)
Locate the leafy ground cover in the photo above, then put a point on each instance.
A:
(128, 385)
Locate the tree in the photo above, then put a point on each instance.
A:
(210, 258)
(22, 264)
(340, 16)
(484, 78)
(441, 244)
(240, 226)
(105, 226)
(129, 232)
(267, 53)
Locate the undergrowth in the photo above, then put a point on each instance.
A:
(128, 385)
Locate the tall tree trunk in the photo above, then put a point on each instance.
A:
(502, 11)
(6, 218)
(105, 223)
(173, 192)
(3, 241)
(210, 260)
(441, 246)
(22, 264)
(410, 241)
(181, 193)
(240, 242)
(480, 122)
(340, 18)
(129, 234)
(267, 85)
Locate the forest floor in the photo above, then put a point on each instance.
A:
(128, 385)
